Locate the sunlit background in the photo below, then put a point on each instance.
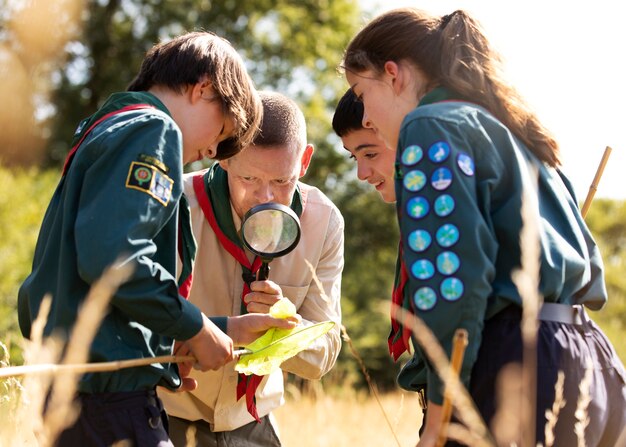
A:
(567, 59)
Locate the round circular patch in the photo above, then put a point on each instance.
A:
(441, 179)
(448, 263)
(143, 175)
(444, 205)
(466, 164)
(412, 155)
(451, 289)
(438, 152)
(417, 207)
(447, 235)
(423, 269)
(414, 180)
(419, 240)
(425, 298)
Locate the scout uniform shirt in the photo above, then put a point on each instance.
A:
(460, 174)
(117, 202)
(217, 289)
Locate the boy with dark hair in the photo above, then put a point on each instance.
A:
(374, 159)
(119, 201)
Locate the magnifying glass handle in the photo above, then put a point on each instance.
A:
(264, 272)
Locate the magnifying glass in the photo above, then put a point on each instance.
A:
(270, 230)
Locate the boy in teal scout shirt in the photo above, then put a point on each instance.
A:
(120, 200)
(467, 150)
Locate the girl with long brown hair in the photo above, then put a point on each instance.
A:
(468, 151)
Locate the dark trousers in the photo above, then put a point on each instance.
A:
(135, 417)
(566, 347)
(253, 434)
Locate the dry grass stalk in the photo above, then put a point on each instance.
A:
(466, 411)
(27, 420)
(190, 436)
(459, 433)
(506, 424)
(345, 417)
(552, 415)
(82, 368)
(370, 383)
(526, 279)
(317, 282)
(581, 415)
(621, 441)
(355, 353)
(62, 410)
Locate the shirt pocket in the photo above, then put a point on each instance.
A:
(295, 294)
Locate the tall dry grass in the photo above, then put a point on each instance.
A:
(349, 419)
(50, 377)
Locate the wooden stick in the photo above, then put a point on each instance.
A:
(596, 179)
(456, 360)
(81, 368)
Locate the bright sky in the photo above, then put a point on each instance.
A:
(568, 60)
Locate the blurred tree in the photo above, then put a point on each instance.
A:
(607, 221)
(32, 37)
(290, 46)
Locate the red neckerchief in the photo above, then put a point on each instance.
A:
(245, 384)
(398, 340)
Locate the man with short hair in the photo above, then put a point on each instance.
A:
(225, 405)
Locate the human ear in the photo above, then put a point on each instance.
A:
(223, 164)
(306, 159)
(203, 89)
(394, 73)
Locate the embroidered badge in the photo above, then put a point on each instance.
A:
(447, 235)
(419, 240)
(448, 263)
(425, 298)
(466, 164)
(146, 178)
(451, 289)
(438, 152)
(414, 180)
(441, 179)
(417, 207)
(444, 205)
(423, 269)
(154, 162)
(412, 155)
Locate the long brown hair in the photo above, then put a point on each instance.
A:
(454, 53)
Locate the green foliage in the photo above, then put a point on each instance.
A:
(607, 221)
(289, 46)
(22, 207)
(370, 256)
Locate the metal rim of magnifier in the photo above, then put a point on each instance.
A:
(275, 207)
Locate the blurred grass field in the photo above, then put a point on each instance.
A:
(349, 419)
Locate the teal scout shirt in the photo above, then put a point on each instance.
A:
(118, 200)
(459, 180)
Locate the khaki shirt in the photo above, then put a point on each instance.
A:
(217, 288)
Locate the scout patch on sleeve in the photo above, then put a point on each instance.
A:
(153, 161)
(146, 178)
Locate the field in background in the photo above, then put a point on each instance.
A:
(349, 420)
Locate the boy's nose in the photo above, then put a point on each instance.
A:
(367, 123)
